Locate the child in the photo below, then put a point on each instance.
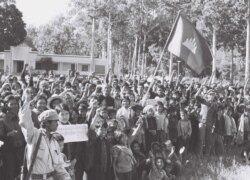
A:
(161, 122)
(69, 166)
(184, 129)
(150, 126)
(157, 171)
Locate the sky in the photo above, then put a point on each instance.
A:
(38, 12)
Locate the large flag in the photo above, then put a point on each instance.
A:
(187, 43)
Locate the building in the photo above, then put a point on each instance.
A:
(13, 60)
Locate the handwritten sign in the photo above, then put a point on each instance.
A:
(73, 133)
(151, 102)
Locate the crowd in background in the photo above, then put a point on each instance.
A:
(138, 130)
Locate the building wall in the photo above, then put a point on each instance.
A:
(27, 56)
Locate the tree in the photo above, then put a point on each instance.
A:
(46, 63)
(12, 27)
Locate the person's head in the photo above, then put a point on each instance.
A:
(159, 163)
(102, 131)
(115, 83)
(104, 112)
(247, 110)
(131, 97)
(183, 114)
(220, 111)
(103, 101)
(159, 107)
(210, 95)
(82, 110)
(56, 91)
(106, 90)
(63, 113)
(229, 110)
(160, 91)
(12, 104)
(121, 138)
(137, 109)
(16, 86)
(60, 139)
(155, 147)
(116, 92)
(2, 107)
(149, 111)
(140, 88)
(6, 87)
(44, 85)
(49, 120)
(41, 103)
(94, 102)
(54, 101)
(125, 102)
(172, 102)
(168, 145)
(135, 146)
(69, 101)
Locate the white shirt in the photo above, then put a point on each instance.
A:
(43, 163)
(161, 122)
(127, 113)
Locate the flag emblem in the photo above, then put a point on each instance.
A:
(191, 45)
(187, 43)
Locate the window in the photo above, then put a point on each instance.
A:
(85, 67)
(99, 69)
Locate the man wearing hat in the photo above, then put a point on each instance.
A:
(48, 163)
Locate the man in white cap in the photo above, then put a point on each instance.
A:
(48, 163)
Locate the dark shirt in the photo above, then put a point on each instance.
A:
(220, 126)
(151, 123)
(11, 141)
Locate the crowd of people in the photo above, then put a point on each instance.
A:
(137, 130)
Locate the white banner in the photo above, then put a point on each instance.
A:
(73, 133)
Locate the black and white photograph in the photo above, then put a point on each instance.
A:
(124, 89)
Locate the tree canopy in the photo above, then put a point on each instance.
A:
(149, 21)
(12, 27)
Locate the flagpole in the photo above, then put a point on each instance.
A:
(214, 52)
(159, 62)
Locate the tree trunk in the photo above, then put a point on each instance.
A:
(139, 59)
(214, 52)
(134, 56)
(247, 44)
(232, 68)
(129, 58)
(109, 45)
(92, 66)
(144, 54)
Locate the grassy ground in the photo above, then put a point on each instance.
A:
(231, 167)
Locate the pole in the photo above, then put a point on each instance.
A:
(232, 64)
(170, 65)
(247, 42)
(92, 66)
(214, 52)
(178, 67)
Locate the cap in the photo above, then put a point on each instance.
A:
(53, 98)
(48, 115)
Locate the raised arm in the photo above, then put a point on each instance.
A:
(23, 74)
(26, 123)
